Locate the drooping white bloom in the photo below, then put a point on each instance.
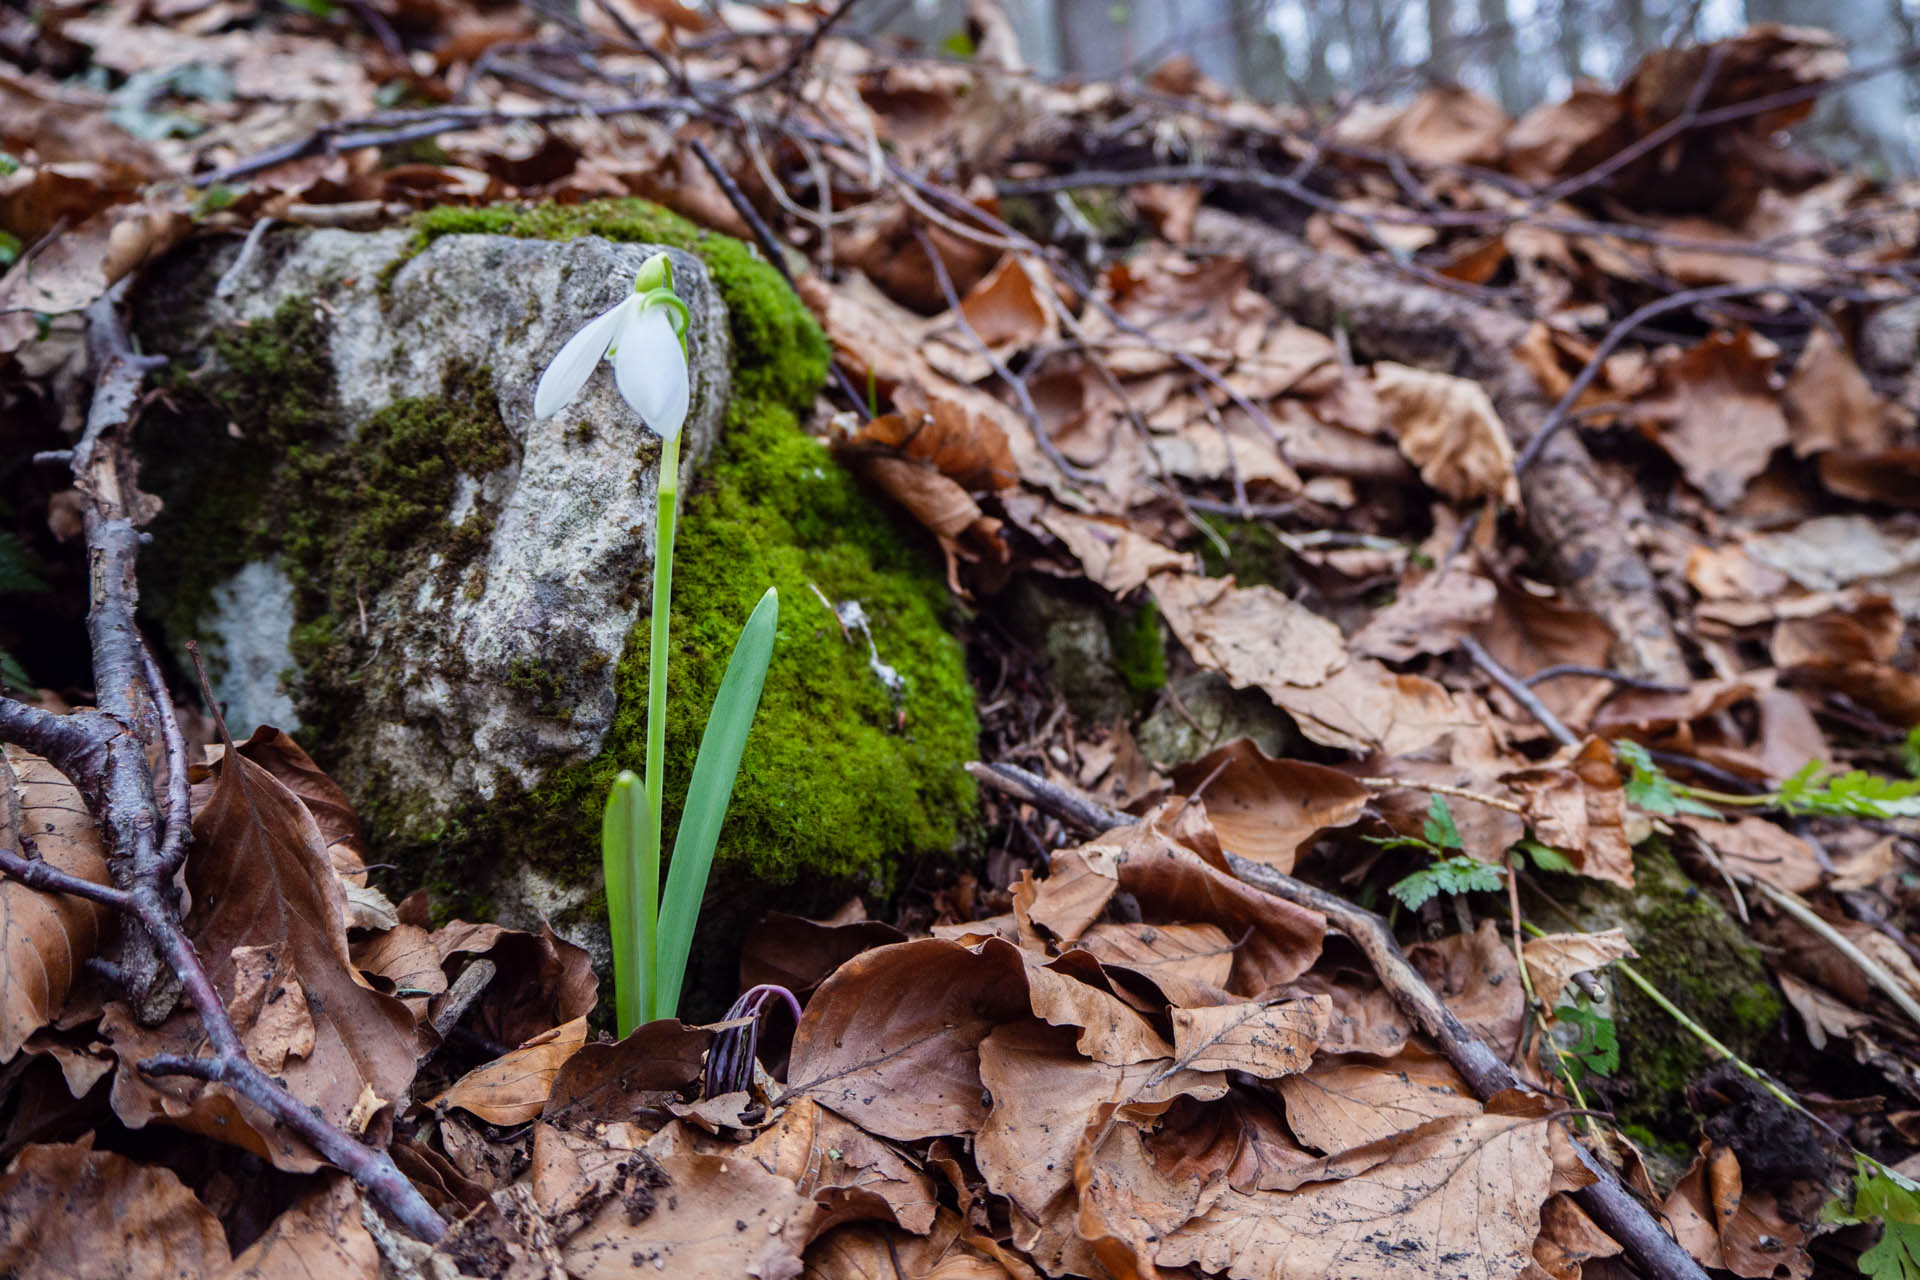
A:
(639, 335)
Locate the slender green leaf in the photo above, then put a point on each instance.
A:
(620, 838)
(707, 797)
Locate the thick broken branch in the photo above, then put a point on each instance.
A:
(1607, 1200)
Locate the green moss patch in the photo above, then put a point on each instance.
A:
(1699, 958)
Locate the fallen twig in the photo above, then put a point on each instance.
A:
(1607, 1200)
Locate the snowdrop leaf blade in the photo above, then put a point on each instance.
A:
(574, 365)
(651, 371)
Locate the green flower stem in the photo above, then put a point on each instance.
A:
(655, 774)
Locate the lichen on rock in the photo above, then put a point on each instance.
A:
(403, 506)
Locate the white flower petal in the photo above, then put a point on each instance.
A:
(651, 371)
(572, 367)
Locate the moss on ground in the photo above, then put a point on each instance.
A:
(1255, 556)
(1698, 957)
(838, 783)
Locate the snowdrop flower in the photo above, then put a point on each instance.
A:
(643, 336)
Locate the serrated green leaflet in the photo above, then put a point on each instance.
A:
(706, 808)
(1450, 875)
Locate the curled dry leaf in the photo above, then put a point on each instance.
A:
(1045, 1092)
(1008, 309)
(1431, 618)
(1716, 412)
(657, 1060)
(1265, 1041)
(1111, 554)
(1729, 1228)
(1448, 428)
(798, 954)
(1553, 960)
(849, 1174)
(68, 1210)
(77, 266)
(1077, 890)
(1823, 1016)
(1577, 804)
(1830, 403)
(1268, 809)
(1172, 882)
(1176, 956)
(891, 1041)
(269, 914)
(1478, 978)
(44, 938)
(514, 1089)
(1754, 848)
(1071, 992)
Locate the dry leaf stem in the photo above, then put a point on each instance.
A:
(104, 753)
(1607, 1200)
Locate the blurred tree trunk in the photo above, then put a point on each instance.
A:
(1571, 40)
(1443, 57)
(1504, 45)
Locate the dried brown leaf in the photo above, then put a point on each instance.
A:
(1268, 809)
(849, 1174)
(322, 1235)
(1448, 428)
(891, 1040)
(1045, 1093)
(724, 1217)
(268, 915)
(641, 1072)
(514, 1089)
(1459, 1199)
(1265, 1041)
(1830, 403)
(44, 938)
(1717, 413)
(68, 1211)
(798, 954)
(1553, 960)
(1727, 1227)
(1175, 884)
(1349, 1101)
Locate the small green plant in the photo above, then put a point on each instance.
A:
(1893, 1200)
(1854, 794)
(1453, 870)
(1815, 789)
(1910, 751)
(1590, 1043)
(1651, 790)
(644, 336)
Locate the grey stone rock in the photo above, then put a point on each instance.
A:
(450, 664)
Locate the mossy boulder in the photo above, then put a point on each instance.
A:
(344, 480)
